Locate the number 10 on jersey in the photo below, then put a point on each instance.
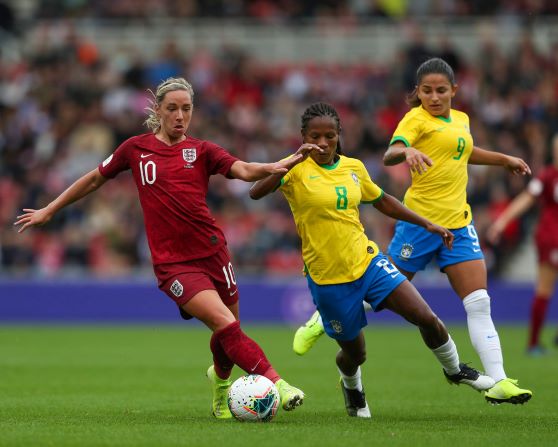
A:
(148, 172)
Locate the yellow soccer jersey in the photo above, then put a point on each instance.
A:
(324, 201)
(440, 193)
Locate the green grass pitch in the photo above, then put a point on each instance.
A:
(146, 386)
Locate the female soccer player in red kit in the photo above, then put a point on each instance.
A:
(544, 190)
(171, 170)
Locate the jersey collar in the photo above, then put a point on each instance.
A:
(331, 167)
(443, 118)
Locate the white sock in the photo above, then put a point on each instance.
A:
(366, 306)
(448, 357)
(483, 334)
(351, 382)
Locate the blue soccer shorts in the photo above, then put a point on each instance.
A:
(412, 247)
(340, 305)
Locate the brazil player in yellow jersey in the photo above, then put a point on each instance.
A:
(343, 267)
(436, 142)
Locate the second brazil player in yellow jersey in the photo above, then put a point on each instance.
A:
(436, 142)
(343, 267)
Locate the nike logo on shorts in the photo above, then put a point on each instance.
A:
(232, 293)
(145, 155)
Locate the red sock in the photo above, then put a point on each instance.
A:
(538, 314)
(222, 363)
(244, 351)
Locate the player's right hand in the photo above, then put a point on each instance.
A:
(417, 161)
(32, 218)
(445, 234)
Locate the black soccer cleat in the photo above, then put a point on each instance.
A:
(470, 376)
(355, 402)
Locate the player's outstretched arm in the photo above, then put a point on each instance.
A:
(392, 207)
(399, 153)
(516, 208)
(269, 184)
(80, 188)
(515, 165)
(250, 172)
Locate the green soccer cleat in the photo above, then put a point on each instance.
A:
(291, 397)
(220, 388)
(507, 391)
(306, 336)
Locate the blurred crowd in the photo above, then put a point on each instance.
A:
(65, 107)
(284, 11)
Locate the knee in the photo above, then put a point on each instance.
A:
(359, 357)
(218, 319)
(429, 320)
(477, 303)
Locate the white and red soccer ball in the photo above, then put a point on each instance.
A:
(253, 398)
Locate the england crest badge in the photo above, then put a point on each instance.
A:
(189, 155)
(176, 288)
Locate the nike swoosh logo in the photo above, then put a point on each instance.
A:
(491, 336)
(145, 155)
(394, 275)
(439, 129)
(476, 250)
(232, 293)
(312, 177)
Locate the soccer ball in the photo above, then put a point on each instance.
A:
(253, 398)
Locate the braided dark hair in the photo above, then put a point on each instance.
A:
(319, 109)
(433, 65)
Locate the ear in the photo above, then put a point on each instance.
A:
(454, 89)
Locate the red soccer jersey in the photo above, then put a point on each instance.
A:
(545, 187)
(172, 183)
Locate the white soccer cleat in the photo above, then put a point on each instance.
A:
(470, 376)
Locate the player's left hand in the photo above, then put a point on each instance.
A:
(283, 166)
(445, 234)
(517, 166)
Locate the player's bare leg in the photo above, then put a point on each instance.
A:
(349, 359)
(407, 302)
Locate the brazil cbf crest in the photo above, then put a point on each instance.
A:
(406, 251)
(336, 326)
(189, 155)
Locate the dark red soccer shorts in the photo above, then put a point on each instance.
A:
(181, 281)
(547, 251)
